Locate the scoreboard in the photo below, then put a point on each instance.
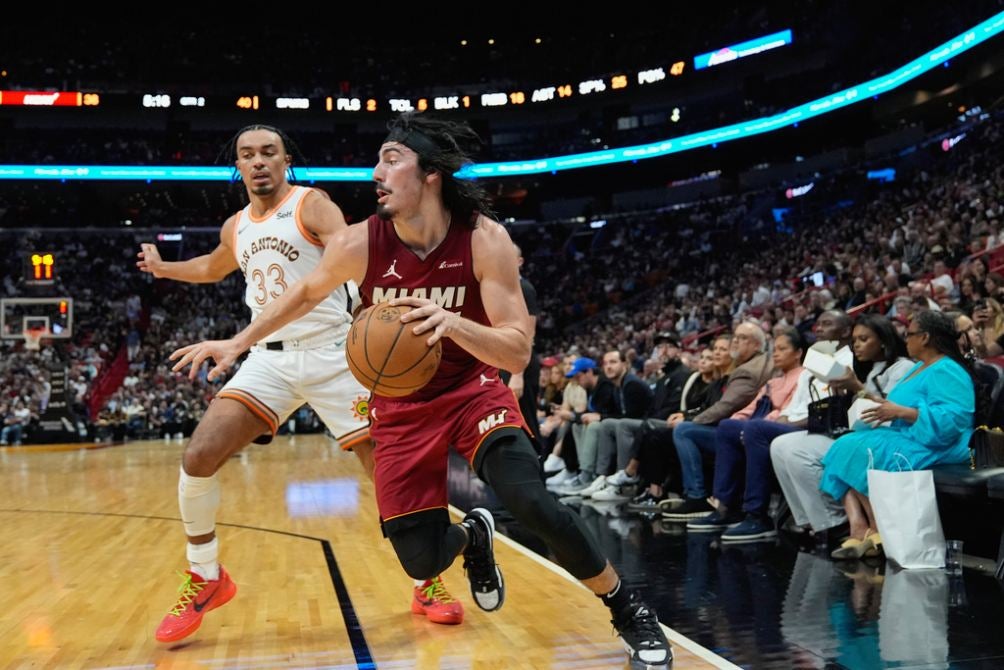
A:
(40, 268)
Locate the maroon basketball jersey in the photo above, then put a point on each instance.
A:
(446, 276)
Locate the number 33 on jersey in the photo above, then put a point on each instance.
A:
(277, 251)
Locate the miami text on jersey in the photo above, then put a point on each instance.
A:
(447, 297)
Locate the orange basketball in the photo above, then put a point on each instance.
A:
(385, 356)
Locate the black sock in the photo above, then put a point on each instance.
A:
(617, 599)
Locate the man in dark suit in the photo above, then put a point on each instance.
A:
(525, 384)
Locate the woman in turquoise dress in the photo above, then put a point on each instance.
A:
(931, 410)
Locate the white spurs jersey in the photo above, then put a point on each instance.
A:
(277, 251)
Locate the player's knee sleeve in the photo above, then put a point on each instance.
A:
(198, 499)
(427, 547)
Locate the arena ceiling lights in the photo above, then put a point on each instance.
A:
(849, 96)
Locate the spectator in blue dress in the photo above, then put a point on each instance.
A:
(880, 361)
(931, 411)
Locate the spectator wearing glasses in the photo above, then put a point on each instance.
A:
(693, 437)
(931, 415)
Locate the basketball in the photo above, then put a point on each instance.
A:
(386, 356)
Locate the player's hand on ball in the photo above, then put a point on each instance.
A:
(223, 352)
(440, 321)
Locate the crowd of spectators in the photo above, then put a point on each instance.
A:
(688, 270)
(890, 242)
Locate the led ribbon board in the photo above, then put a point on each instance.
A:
(849, 96)
(743, 49)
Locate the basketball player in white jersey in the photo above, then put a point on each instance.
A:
(274, 241)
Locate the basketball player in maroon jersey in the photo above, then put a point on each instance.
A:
(431, 247)
(295, 224)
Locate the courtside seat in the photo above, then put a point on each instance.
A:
(970, 503)
(995, 486)
(959, 480)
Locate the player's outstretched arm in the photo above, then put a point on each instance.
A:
(343, 257)
(506, 343)
(206, 269)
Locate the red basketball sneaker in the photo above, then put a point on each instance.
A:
(198, 596)
(434, 601)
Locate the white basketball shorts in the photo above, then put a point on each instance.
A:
(274, 384)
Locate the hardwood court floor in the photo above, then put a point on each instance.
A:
(90, 541)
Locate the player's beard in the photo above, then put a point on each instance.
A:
(384, 212)
(264, 189)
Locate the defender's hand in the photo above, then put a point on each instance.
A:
(223, 352)
(149, 259)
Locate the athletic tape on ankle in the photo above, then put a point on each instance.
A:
(198, 499)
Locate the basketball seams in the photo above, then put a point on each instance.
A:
(413, 365)
(390, 349)
(362, 363)
(354, 366)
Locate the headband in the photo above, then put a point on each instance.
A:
(415, 140)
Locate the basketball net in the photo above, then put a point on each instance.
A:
(33, 338)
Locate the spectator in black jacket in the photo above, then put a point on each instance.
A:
(675, 373)
(657, 465)
(620, 394)
(618, 437)
(525, 384)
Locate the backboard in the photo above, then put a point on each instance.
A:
(20, 314)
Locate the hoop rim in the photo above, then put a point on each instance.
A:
(33, 337)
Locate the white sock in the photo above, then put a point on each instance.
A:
(419, 582)
(198, 499)
(203, 559)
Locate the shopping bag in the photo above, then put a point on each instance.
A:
(906, 512)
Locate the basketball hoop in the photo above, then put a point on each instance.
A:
(33, 338)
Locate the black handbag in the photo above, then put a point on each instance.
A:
(764, 405)
(986, 448)
(828, 416)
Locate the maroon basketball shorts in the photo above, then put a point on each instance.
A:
(412, 439)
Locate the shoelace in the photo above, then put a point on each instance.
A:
(480, 570)
(476, 566)
(644, 625)
(437, 591)
(188, 590)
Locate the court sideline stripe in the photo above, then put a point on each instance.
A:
(360, 648)
(674, 637)
(364, 660)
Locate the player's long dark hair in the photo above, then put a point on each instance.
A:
(451, 145)
(229, 151)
